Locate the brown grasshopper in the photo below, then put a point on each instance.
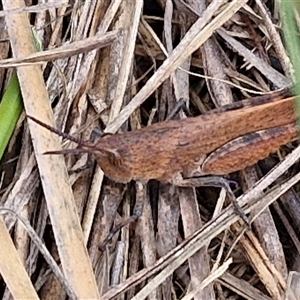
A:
(178, 151)
(213, 144)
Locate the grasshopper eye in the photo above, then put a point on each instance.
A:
(115, 158)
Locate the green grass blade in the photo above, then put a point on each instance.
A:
(10, 110)
(292, 41)
(11, 106)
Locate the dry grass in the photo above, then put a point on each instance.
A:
(130, 75)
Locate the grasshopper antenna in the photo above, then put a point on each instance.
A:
(89, 147)
(58, 132)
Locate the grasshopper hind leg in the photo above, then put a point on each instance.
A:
(213, 181)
